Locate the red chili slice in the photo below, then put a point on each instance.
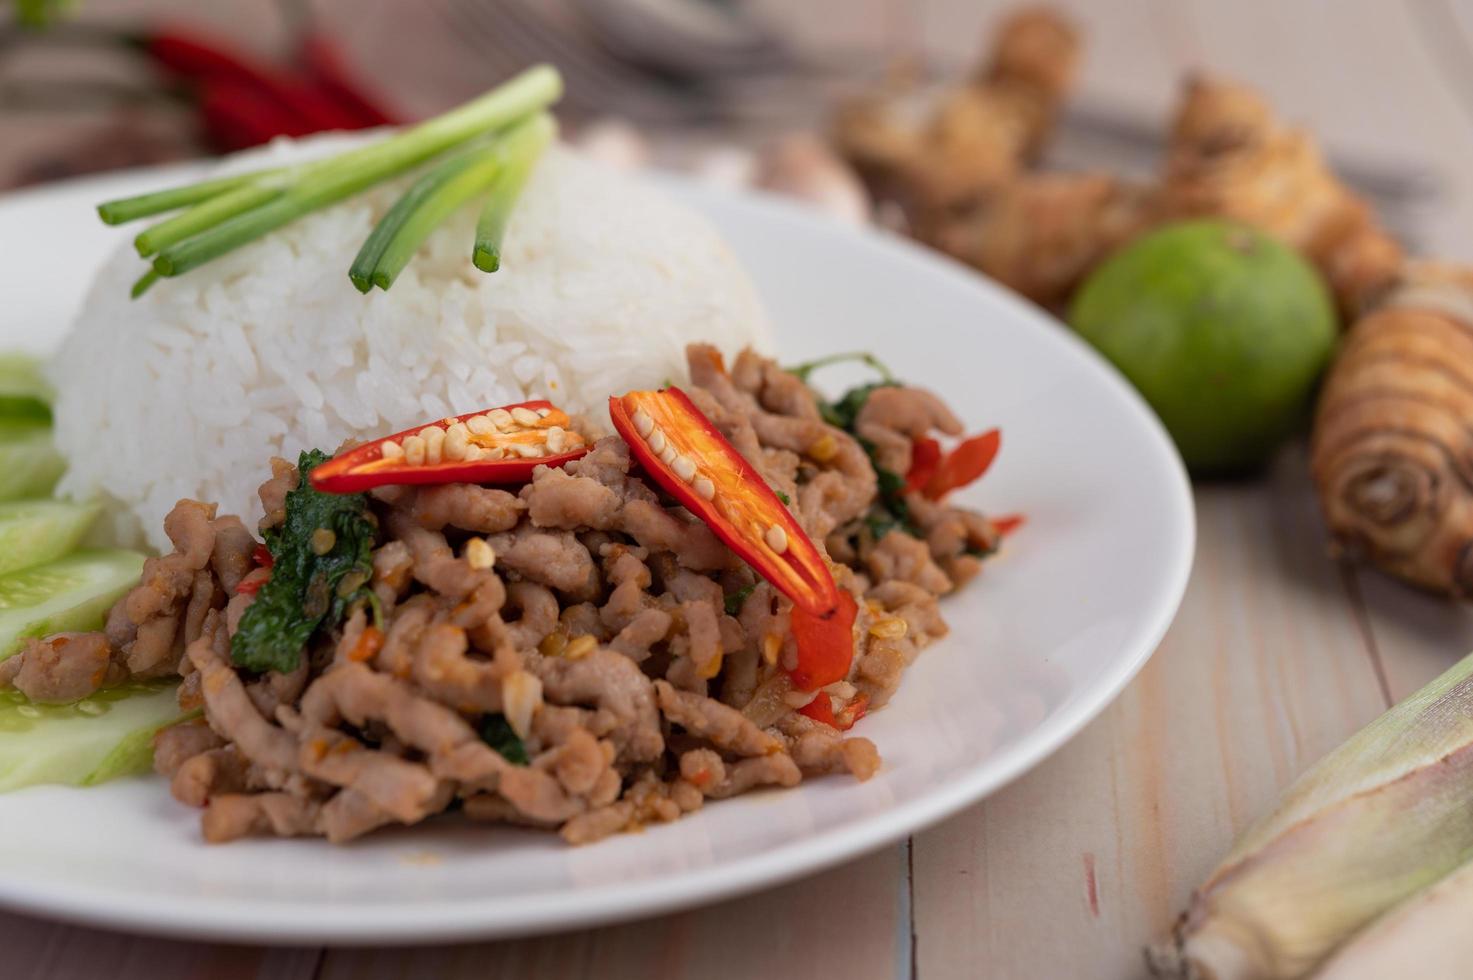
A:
(1007, 524)
(365, 467)
(683, 451)
(964, 464)
(925, 458)
(822, 709)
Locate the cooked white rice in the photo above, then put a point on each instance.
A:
(188, 391)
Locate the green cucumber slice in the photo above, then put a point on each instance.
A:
(73, 593)
(102, 737)
(29, 463)
(25, 395)
(34, 532)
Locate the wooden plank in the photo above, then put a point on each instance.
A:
(848, 922)
(37, 950)
(1076, 866)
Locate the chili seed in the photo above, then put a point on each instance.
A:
(669, 456)
(840, 689)
(479, 555)
(391, 450)
(480, 425)
(524, 416)
(643, 424)
(684, 467)
(414, 451)
(457, 441)
(543, 413)
(434, 438)
(580, 647)
(704, 487)
(799, 699)
(499, 417)
(323, 540)
(824, 448)
(657, 442)
(776, 538)
(521, 696)
(555, 439)
(772, 645)
(889, 628)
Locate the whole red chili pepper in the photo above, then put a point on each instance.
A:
(683, 451)
(197, 58)
(495, 434)
(325, 64)
(236, 116)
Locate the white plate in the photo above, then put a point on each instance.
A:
(1048, 635)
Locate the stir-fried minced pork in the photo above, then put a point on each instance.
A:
(581, 654)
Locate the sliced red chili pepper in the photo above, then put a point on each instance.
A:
(925, 457)
(964, 464)
(261, 555)
(821, 709)
(369, 465)
(683, 451)
(1007, 524)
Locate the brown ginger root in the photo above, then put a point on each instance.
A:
(980, 134)
(1041, 234)
(1392, 449)
(1229, 157)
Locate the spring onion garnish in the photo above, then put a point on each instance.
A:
(497, 166)
(499, 135)
(520, 152)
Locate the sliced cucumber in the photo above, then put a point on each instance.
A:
(29, 463)
(34, 532)
(107, 735)
(25, 395)
(73, 593)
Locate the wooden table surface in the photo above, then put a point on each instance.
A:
(1276, 656)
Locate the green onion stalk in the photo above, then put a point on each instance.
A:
(505, 129)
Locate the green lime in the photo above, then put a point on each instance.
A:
(1223, 329)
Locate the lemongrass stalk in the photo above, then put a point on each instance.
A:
(520, 151)
(126, 209)
(1372, 823)
(447, 193)
(390, 225)
(329, 181)
(1429, 930)
(208, 214)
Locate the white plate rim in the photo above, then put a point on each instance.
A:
(281, 923)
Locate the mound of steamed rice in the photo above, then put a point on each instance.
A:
(188, 391)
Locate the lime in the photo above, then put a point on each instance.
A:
(1223, 329)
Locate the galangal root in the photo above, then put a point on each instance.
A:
(1227, 157)
(1392, 450)
(932, 157)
